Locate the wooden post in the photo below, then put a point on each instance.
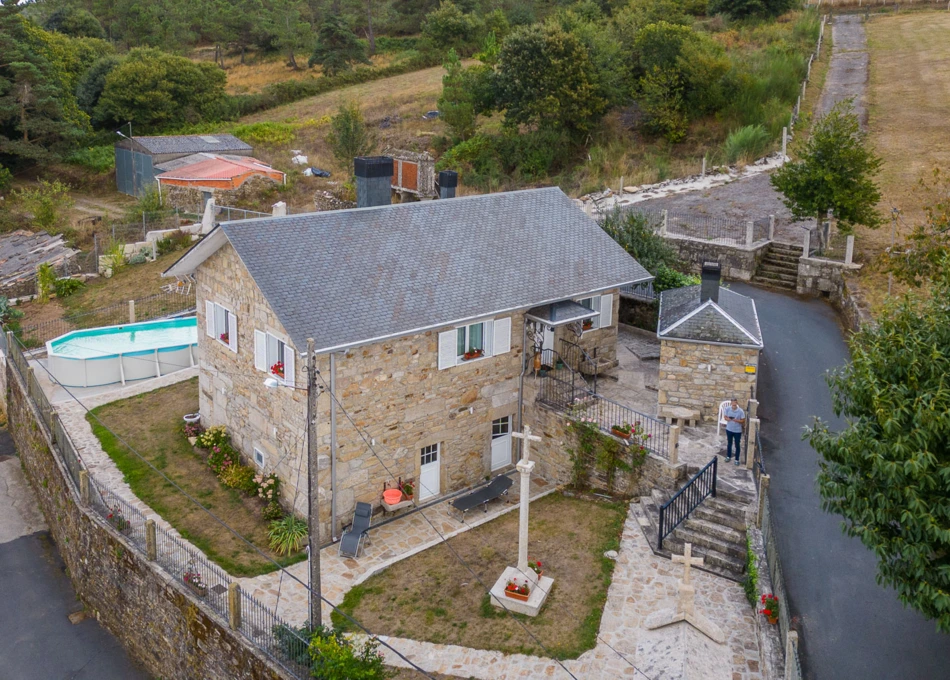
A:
(234, 605)
(791, 649)
(849, 250)
(131, 311)
(763, 490)
(750, 447)
(84, 487)
(151, 544)
(771, 227)
(674, 444)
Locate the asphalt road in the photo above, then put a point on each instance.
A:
(37, 639)
(850, 627)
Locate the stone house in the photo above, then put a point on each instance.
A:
(710, 342)
(420, 315)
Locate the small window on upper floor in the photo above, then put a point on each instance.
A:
(221, 324)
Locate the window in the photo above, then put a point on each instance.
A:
(260, 458)
(604, 306)
(274, 356)
(470, 343)
(221, 324)
(500, 427)
(593, 304)
(430, 454)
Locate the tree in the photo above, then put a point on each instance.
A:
(337, 48)
(456, 104)
(156, 91)
(74, 22)
(834, 172)
(93, 82)
(349, 135)
(292, 31)
(546, 78)
(743, 9)
(639, 237)
(49, 203)
(886, 473)
(448, 27)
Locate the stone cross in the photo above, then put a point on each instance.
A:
(688, 561)
(686, 610)
(525, 467)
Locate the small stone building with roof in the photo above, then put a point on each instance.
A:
(419, 313)
(710, 342)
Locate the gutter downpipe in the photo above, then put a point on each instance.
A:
(333, 447)
(524, 368)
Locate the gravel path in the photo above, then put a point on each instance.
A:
(848, 74)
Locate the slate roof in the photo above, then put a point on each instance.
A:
(21, 252)
(732, 320)
(192, 144)
(349, 277)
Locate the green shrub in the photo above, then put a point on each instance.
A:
(45, 282)
(175, 241)
(272, 511)
(213, 436)
(335, 657)
(66, 287)
(49, 203)
(746, 144)
(666, 278)
(751, 581)
(240, 477)
(99, 159)
(288, 535)
(265, 133)
(6, 179)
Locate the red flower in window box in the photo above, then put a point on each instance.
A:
(225, 338)
(278, 369)
(587, 324)
(473, 354)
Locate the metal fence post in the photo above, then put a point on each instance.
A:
(234, 605)
(151, 544)
(674, 444)
(763, 492)
(84, 487)
(791, 651)
(750, 442)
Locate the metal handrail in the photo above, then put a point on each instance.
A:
(687, 499)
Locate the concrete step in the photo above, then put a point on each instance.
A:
(773, 283)
(726, 565)
(785, 248)
(714, 529)
(710, 542)
(783, 258)
(791, 270)
(764, 272)
(709, 512)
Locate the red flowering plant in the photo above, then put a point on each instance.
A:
(515, 587)
(535, 566)
(116, 519)
(769, 606)
(278, 369)
(225, 338)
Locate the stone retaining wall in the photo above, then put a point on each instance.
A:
(152, 615)
(828, 278)
(738, 262)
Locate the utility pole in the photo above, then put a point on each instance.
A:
(313, 486)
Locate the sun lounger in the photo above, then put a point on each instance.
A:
(496, 488)
(352, 542)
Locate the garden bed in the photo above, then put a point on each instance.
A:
(448, 606)
(152, 423)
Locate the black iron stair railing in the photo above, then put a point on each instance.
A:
(674, 511)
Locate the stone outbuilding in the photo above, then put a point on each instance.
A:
(710, 342)
(188, 182)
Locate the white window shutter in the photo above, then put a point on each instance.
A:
(209, 318)
(606, 310)
(289, 365)
(447, 348)
(488, 337)
(260, 351)
(232, 332)
(501, 342)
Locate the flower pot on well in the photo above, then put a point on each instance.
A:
(517, 596)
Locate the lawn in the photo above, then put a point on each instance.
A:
(152, 423)
(908, 98)
(448, 606)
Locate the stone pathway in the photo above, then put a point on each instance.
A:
(848, 72)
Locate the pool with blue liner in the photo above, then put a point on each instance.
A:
(118, 354)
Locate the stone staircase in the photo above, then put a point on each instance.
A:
(716, 529)
(779, 267)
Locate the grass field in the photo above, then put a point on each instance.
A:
(909, 100)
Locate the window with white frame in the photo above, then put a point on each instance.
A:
(478, 340)
(221, 324)
(273, 355)
(260, 458)
(603, 305)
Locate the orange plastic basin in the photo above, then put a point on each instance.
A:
(392, 496)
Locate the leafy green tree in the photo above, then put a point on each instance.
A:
(449, 27)
(835, 171)
(93, 82)
(661, 97)
(49, 203)
(349, 135)
(337, 48)
(75, 22)
(293, 32)
(156, 90)
(546, 78)
(639, 236)
(456, 104)
(744, 9)
(886, 472)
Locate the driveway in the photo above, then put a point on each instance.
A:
(37, 639)
(851, 627)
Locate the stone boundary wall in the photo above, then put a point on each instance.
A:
(738, 262)
(828, 278)
(151, 614)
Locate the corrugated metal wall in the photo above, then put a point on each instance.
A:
(134, 173)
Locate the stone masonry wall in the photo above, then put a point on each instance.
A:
(173, 635)
(701, 375)
(738, 262)
(191, 199)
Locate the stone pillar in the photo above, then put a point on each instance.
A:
(807, 245)
(753, 408)
(524, 467)
(749, 228)
(763, 491)
(772, 227)
(151, 544)
(234, 605)
(666, 223)
(279, 209)
(674, 444)
(750, 447)
(849, 250)
(704, 166)
(131, 311)
(791, 649)
(207, 219)
(84, 487)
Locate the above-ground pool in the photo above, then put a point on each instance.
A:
(117, 354)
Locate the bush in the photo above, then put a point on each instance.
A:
(349, 135)
(638, 236)
(6, 179)
(272, 511)
(335, 657)
(99, 159)
(176, 241)
(265, 133)
(49, 203)
(45, 282)
(66, 287)
(240, 477)
(287, 535)
(666, 278)
(746, 144)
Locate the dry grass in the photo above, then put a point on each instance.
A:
(908, 97)
(152, 423)
(449, 606)
(254, 75)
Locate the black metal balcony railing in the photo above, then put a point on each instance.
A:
(699, 488)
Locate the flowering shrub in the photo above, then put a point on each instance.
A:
(272, 511)
(268, 487)
(193, 577)
(116, 519)
(514, 587)
(214, 436)
(535, 566)
(770, 606)
(240, 477)
(221, 458)
(193, 429)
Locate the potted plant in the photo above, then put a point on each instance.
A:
(408, 489)
(472, 354)
(192, 579)
(623, 431)
(278, 369)
(517, 591)
(116, 519)
(536, 568)
(587, 324)
(770, 608)
(225, 338)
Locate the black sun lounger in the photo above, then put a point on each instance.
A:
(496, 488)
(352, 542)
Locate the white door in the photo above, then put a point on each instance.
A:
(547, 345)
(429, 472)
(500, 443)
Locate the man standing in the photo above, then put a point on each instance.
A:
(735, 419)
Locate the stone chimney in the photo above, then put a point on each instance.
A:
(374, 176)
(448, 181)
(709, 282)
